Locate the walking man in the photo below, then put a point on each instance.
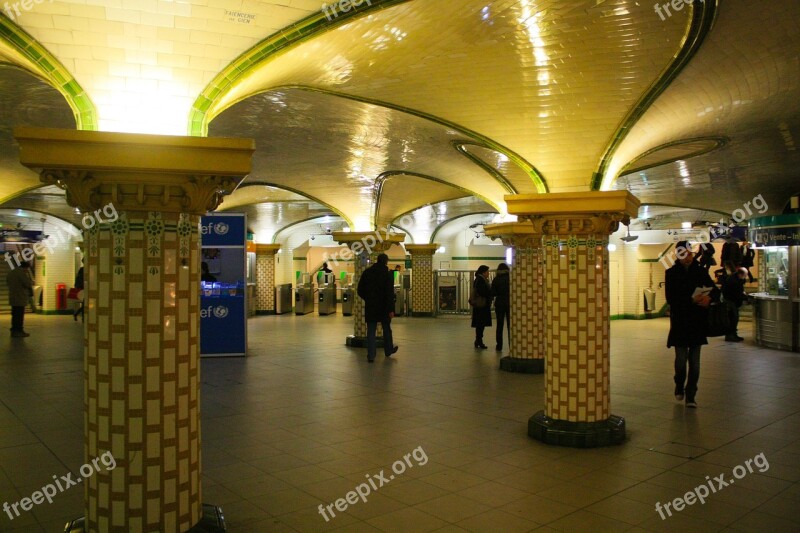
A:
(20, 290)
(376, 288)
(688, 316)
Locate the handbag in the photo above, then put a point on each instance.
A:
(719, 319)
(475, 299)
(75, 294)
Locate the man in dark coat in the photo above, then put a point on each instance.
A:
(500, 292)
(688, 318)
(20, 290)
(376, 288)
(481, 315)
(733, 292)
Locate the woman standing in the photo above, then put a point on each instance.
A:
(481, 302)
(500, 292)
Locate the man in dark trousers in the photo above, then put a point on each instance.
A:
(688, 318)
(376, 288)
(20, 290)
(735, 296)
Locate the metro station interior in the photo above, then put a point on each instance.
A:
(199, 163)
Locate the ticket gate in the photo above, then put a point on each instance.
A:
(283, 299)
(304, 300)
(348, 296)
(399, 300)
(327, 300)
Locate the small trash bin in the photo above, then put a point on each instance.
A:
(61, 296)
(649, 300)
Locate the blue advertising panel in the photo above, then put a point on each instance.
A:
(223, 309)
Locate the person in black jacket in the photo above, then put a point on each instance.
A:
(78, 285)
(748, 259)
(376, 288)
(481, 315)
(500, 293)
(688, 318)
(733, 292)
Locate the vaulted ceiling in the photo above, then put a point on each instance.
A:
(425, 109)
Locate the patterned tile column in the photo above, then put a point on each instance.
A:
(365, 247)
(576, 227)
(528, 327)
(142, 371)
(265, 278)
(422, 300)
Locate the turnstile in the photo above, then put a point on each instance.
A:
(348, 295)
(399, 300)
(327, 299)
(304, 300)
(283, 299)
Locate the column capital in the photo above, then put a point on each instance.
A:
(369, 241)
(266, 249)
(583, 213)
(516, 234)
(422, 249)
(136, 172)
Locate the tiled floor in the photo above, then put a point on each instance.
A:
(304, 420)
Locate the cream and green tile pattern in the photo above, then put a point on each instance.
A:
(265, 277)
(142, 372)
(422, 301)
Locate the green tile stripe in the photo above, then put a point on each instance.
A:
(303, 30)
(52, 71)
(703, 17)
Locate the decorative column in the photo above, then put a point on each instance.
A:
(364, 247)
(422, 300)
(528, 327)
(141, 341)
(576, 227)
(265, 278)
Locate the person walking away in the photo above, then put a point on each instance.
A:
(481, 302)
(687, 319)
(500, 293)
(376, 288)
(79, 285)
(734, 295)
(748, 259)
(20, 290)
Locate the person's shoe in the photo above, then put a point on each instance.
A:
(679, 397)
(394, 351)
(20, 334)
(498, 348)
(370, 360)
(691, 404)
(738, 338)
(730, 338)
(481, 346)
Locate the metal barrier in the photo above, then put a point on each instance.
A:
(451, 290)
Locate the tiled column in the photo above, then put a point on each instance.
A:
(528, 327)
(141, 344)
(422, 300)
(265, 278)
(365, 247)
(576, 227)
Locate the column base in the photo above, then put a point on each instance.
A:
(521, 365)
(361, 342)
(266, 312)
(577, 434)
(213, 521)
(422, 314)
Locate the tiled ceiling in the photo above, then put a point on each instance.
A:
(408, 103)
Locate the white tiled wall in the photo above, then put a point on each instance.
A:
(54, 268)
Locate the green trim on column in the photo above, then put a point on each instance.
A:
(52, 71)
(703, 16)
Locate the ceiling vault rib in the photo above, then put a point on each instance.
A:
(297, 191)
(461, 148)
(295, 223)
(719, 141)
(266, 50)
(657, 204)
(446, 222)
(384, 176)
(703, 18)
(52, 71)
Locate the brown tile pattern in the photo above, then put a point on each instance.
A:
(528, 331)
(142, 373)
(577, 370)
(265, 280)
(422, 282)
